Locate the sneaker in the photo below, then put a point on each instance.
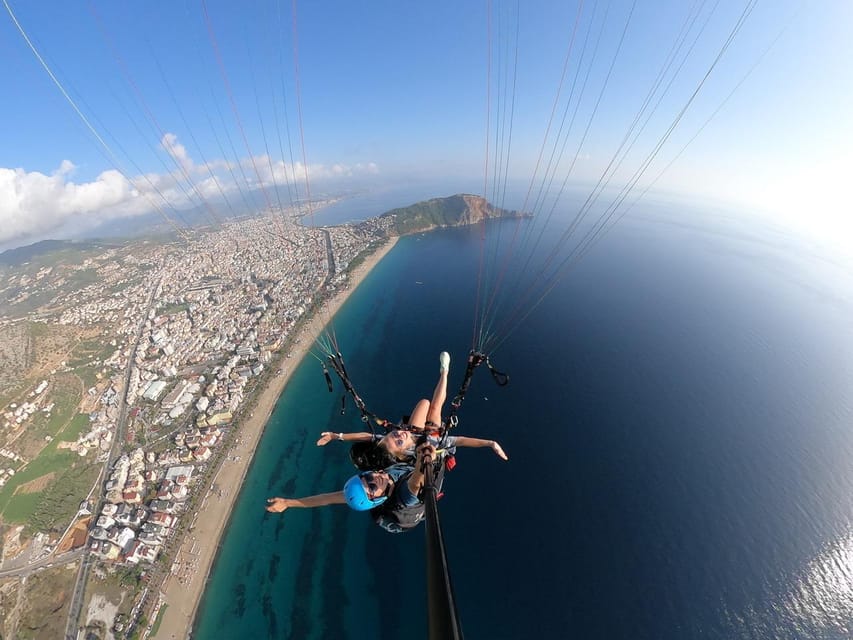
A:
(444, 361)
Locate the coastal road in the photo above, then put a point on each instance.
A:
(83, 574)
(330, 255)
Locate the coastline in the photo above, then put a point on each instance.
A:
(182, 591)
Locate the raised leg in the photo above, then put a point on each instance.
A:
(419, 414)
(439, 395)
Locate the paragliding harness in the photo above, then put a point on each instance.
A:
(366, 455)
(443, 616)
(396, 518)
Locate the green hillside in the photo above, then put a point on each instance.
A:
(452, 211)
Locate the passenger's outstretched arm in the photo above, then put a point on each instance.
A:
(465, 441)
(327, 436)
(277, 505)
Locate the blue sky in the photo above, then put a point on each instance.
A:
(397, 91)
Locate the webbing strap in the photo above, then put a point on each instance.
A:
(475, 359)
(328, 379)
(501, 378)
(337, 364)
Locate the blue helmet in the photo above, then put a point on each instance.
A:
(356, 496)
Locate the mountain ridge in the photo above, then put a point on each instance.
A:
(458, 210)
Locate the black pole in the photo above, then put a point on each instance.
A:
(443, 617)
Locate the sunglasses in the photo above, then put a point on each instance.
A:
(397, 438)
(370, 481)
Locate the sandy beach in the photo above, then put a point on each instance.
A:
(183, 589)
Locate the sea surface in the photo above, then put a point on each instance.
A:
(679, 425)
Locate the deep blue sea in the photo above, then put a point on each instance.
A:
(680, 431)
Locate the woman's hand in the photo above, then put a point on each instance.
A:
(498, 450)
(425, 453)
(326, 437)
(277, 505)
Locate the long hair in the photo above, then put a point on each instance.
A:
(368, 456)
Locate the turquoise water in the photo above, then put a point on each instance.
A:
(679, 431)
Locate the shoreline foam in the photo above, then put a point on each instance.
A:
(198, 549)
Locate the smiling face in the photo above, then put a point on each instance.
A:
(398, 443)
(376, 484)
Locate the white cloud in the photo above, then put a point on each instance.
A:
(33, 202)
(283, 173)
(170, 145)
(34, 205)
